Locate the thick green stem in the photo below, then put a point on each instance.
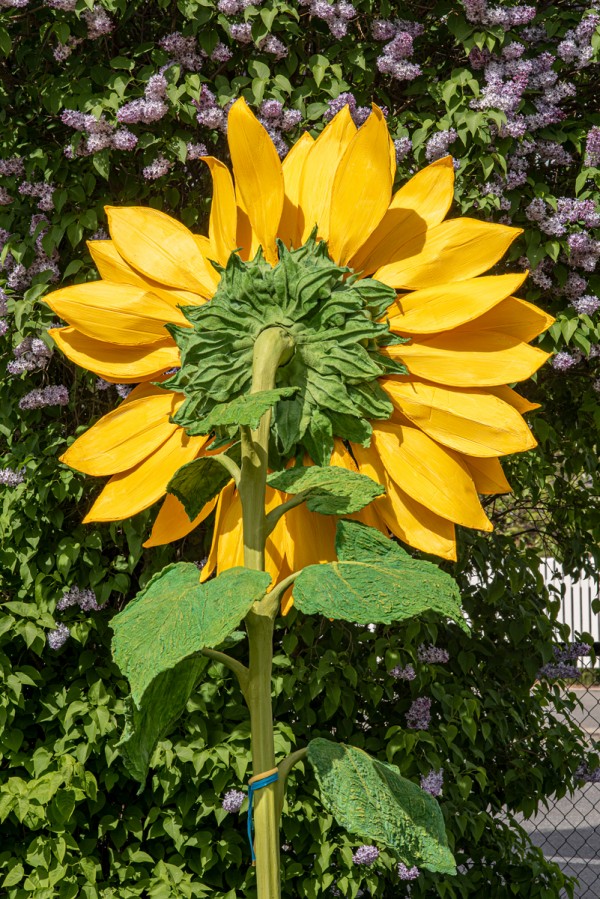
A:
(272, 347)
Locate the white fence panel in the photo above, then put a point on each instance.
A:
(576, 603)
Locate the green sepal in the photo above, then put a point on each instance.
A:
(175, 616)
(375, 580)
(318, 438)
(330, 490)
(371, 799)
(377, 297)
(246, 410)
(348, 427)
(162, 704)
(198, 481)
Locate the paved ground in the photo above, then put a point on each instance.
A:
(569, 832)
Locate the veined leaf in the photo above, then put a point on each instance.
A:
(175, 615)
(244, 410)
(330, 490)
(375, 580)
(197, 482)
(372, 800)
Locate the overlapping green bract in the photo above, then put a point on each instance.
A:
(334, 321)
(199, 481)
(330, 491)
(372, 800)
(375, 580)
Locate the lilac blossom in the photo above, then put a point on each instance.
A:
(272, 45)
(58, 637)
(291, 119)
(586, 774)
(41, 190)
(98, 22)
(195, 151)
(229, 7)
(31, 354)
(437, 145)
(592, 147)
(123, 390)
(232, 801)
(365, 855)
(221, 53)
(102, 385)
(12, 166)
(241, 33)
(124, 139)
(3, 327)
(434, 655)
(74, 596)
(406, 673)
(402, 146)
(142, 110)
(418, 716)
(209, 112)
(182, 50)
(359, 113)
(583, 251)
(563, 361)
(558, 670)
(54, 395)
(571, 651)
(11, 478)
(574, 285)
(5, 197)
(576, 45)
(433, 782)
(157, 168)
(14, 4)
(479, 13)
(64, 5)
(586, 305)
(405, 873)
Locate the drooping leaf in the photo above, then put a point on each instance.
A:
(162, 704)
(197, 482)
(175, 615)
(375, 580)
(372, 800)
(247, 409)
(330, 490)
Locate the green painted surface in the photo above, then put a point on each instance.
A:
(331, 490)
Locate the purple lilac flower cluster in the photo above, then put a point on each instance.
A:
(63, 5)
(571, 651)
(438, 143)
(584, 251)
(99, 134)
(576, 47)
(98, 22)
(41, 190)
(433, 655)
(232, 801)
(85, 599)
(563, 361)
(480, 13)
(11, 478)
(558, 671)
(405, 873)
(359, 113)
(54, 395)
(278, 120)
(336, 15)
(433, 782)
(149, 108)
(12, 166)
(183, 51)
(592, 147)
(19, 277)
(365, 855)
(402, 146)
(406, 673)
(586, 774)
(418, 716)
(195, 151)
(31, 354)
(209, 113)
(395, 58)
(568, 212)
(58, 637)
(157, 168)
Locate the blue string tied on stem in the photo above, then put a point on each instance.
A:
(257, 783)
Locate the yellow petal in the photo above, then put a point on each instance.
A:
(223, 502)
(471, 360)
(140, 487)
(115, 313)
(515, 399)
(310, 538)
(117, 364)
(223, 212)
(258, 174)
(452, 251)
(290, 226)
(160, 248)
(431, 474)
(469, 421)
(420, 204)
(517, 318)
(450, 305)
(230, 546)
(362, 188)
(319, 172)
(487, 475)
(276, 545)
(126, 436)
(406, 518)
(172, 522)
(112, 267)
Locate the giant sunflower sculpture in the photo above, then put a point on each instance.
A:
(403, 346)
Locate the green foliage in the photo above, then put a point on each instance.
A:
(372, 800)
(329, 491)
(244, 411)
(375, 580)
(197, 482)
(175, 615)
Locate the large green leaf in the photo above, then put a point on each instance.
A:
(331, 490)
(372, 800)
(175, 615)
(247, 409)
(375, 580)
(197, 482)
(161, 705)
